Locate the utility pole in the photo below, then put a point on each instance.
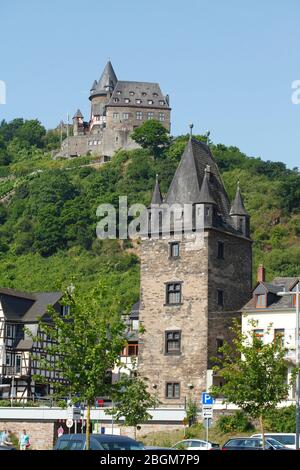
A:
(68, 119)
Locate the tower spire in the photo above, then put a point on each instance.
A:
(238, 207)
(156, 196)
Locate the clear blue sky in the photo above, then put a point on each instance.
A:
(227, 65)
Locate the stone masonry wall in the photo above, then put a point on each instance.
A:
(190, 318)
(41, 434)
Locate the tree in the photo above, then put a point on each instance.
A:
(133, 401)
(86, 344)
(254, 374)
(152, 135)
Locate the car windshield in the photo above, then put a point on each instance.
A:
(274, 443)
(68, 444)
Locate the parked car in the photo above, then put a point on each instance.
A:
(7, 448)
(97, 442)
(287, 439)
(195, 444)
(252, 443)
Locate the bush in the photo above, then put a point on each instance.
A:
(281, 420)
(237, 422)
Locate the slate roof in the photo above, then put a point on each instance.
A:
(186, 185)
(24, 306)
(238, 207)
(106, 83)
(141, 91)
(156, 196)
(78, 114)
(206, 195)
(275, 301)
(134, 314)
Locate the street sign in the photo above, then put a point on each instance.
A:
(207, 399)
(69, 423)
(76, 414)
(207, 413)
(207, 423)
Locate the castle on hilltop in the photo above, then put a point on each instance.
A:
(117, 108)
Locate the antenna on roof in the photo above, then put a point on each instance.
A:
(191, 130)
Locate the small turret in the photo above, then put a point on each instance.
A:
(239, 215)
(78, 127)
(207, 200)
(155, 214)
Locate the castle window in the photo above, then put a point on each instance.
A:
(150, 101)
(131, 349)
(115, 116)
(161, 102)
(150, 115)
(220, 297)
(172, 342)
(127, 100)
(220, 250)
(172, 390)
(261, 300)
(173, 293)
(138, 101)
(116, 100)
(155, 95)
(161, 116)
(97, 118)
(139, 115)
(90, 142)
(131, 93)
(241, 224)
(126, 116)
(119, 92)
(144, 93)
(174, 249)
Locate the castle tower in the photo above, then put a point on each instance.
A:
(78, 127)
(192, 282)
(101, 92)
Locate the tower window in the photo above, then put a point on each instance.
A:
(173, 293)
(125, 116)
(139, 115)
(220, 297)
(150, 101)
(174, 250)
(241, 224)
(161, 116)
(172, 390)
(131, 93)
(220, 250)
(115, 116)
(150, 115)
(116, 100)
(161, 102)
(119, 92)
(172, 342)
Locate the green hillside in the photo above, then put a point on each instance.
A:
(48, 219)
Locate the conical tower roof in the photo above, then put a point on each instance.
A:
(107, 81)
(206, 195)
(187, 183)
(78, 114)
(156, 196)
(238, 207)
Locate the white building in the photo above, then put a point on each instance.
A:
(274, 315)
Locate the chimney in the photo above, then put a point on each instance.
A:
(261, 273)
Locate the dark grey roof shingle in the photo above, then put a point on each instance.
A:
(206, 195)
(156, 196)
(187, 182)
(139, 94)
(106, 82)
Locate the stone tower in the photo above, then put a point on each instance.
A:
(192, 283)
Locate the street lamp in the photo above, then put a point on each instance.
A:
(297, 293)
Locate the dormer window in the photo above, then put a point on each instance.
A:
(144, 93)
(119, 92)
(261, 301)
(138, 101)
(161, 102)
(155, 95)
(127, 100)
(150, 101)
(116, 100)
(131, 93)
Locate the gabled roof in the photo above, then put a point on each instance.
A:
(238, 207)
(156, 196)
(186, 185)
(275, 301)
(26, 306)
